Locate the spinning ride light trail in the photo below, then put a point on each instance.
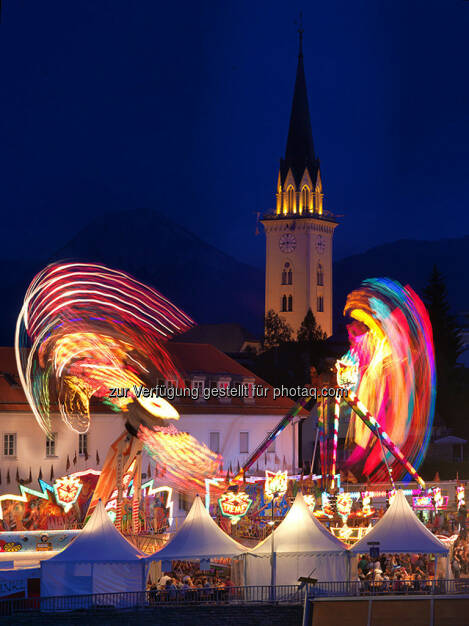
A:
(335, 440)
(376, 429)
(390, 373)
(85, 330)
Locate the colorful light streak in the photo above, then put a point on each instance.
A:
(335, 440)
(186, 462)
(392, 362)
(358, 407)
(460, 496)
(85, 329)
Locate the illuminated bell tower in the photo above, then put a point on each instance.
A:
(299, 232)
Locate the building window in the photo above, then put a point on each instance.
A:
(320, 304)
(284, 304)
(243, 443)
(214, 444)
(248, 392)
(287, 275)
(198, 384)
(50, 445)
(291, 199)
(83, 443)
(9, 444)
(305, 198)
(271, 448)
(320, 276)
(290, 303)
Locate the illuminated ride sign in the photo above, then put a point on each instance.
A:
(276, 484)
(326, 510)
(234, 505)
(366, 504)
(347, 372)
(350, 535)
(427, 502)
(344, 505)
(67, 490)
(310, 501)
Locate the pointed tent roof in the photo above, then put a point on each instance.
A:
(198, 538)
(299, 153)
(400, 530)
(300, 532)
(99, 541)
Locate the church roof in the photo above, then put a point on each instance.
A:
(299, 153)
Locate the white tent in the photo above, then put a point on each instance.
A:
(98, 560)
(199, 538)
(303, 547)
(400, 530)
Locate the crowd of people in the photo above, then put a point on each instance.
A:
(189, 585)
(460, 558)
(397, 572)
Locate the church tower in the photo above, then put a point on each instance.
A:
(299, 231)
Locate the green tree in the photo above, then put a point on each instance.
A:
(447, 343)
(310, 331)
(276, 330)
(446, 335)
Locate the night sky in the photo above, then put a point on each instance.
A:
(183, 108)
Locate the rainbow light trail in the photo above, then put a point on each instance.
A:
(394, 377)
(85, 330)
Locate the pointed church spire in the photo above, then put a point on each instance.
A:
(299, 153)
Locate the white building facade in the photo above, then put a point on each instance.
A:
(231, 427)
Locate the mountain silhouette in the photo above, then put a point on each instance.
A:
(213, 287)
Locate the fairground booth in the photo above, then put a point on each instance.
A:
(200, 542)
(301, 547)
(99, 560)
(400, 531)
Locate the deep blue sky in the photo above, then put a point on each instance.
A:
(183, 107)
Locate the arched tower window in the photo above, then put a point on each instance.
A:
(291, 199)
(284, 304)
(320, 306)
(320, 275)
(305, 199)
(290, 303)
(287, 274)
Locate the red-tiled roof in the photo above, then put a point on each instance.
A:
(190, 358)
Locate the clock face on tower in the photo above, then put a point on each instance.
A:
(320, 245)
(287, 242)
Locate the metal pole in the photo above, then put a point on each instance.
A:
(272, 556)
(315, 447)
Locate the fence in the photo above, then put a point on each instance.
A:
(291, 594)
(280, 594)
(389, 587)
